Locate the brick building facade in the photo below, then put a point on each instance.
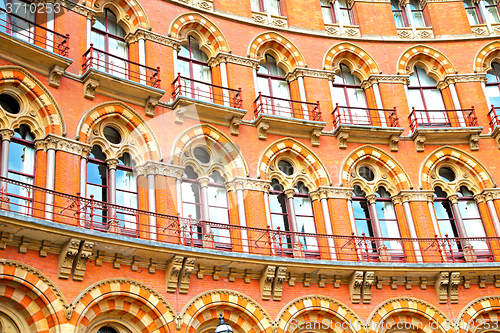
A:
(296, 165)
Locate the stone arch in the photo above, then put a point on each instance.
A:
(318, 308)
(471, 172)
(138, 306)
(138, 139)
(226, 155)
(306, 161)
(34, 293)
(356, 58)
(396, 178)
(241, 312)
(210, 37)
(480, 310)
(39, 109)
(485, 56)
(425, 316)
(435, 63)
(130, 14)
(287, 55)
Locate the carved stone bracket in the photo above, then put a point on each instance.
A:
(150, 106)
(441, 285)
(315, 134)
(89, 87)
(82, 259)
(179, 115)
(266, 282)
(393, 142)
(262, 130)
(420, 143)
(185, 275)
(234, 127)
(55, 76)
(453, 287)
(474, 142)
(367, 287)
(67, 256)
(279, 279)
(23, 246)
(342, 140)
(44, 248)
(172, 272)
(355, 286)
(307, 280)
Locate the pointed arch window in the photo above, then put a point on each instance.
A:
(193, 64)
(304, 214)
(493, 84)
(126, 192)
(97, 186)
(21, 168)
(218, 207)
(108, 40)
(274, 87)
(280, 217)
(348, 93)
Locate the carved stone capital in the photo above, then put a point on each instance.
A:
(289, 192)
(204, 180)
(462, 78)
(371, 198)
(491, 194)
(7, 134)
(453, 198)
(238, 60)
(396, 199)
(55, 76)
(480, 198)
(251, 184)
(316, 73)
(151, 168)
(381, 78)
(414, 195)
(174, 171)
(112, 163)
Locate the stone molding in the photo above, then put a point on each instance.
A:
(491, 194)
(316, 73)
(59, 143)
(251, 184)
(414, 195)
(327, 192)
(234, 59)
(379, 78)
(152, 168)
(459, 78)
(142, 33)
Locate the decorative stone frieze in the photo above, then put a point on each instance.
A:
(266, 282)
(67, 256)
(491, 194)
(416, 195)
(251, 184)
(174, 171)
(461, 78)
(154, 37)
(172, 272)
(234, 59)
(316, 73)
(60, 143)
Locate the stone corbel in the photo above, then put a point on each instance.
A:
(336, 281)
(322, 281)
(279, 279)
(367, 287)
(4, 238)
(153, 265)
(82, 259)
(67, 257)
(55, 76)
(216, 274)
(466, 282)
(393, 142)
(497, 281)
(482, 281)
(150, 106)
(179, 115)
(355, 286)
(408, 282)
(291, 279)
(474, 142)
(134, 266)
(172, 272)
(441, 285)
(234, 127)
(262, 130)
(394, 282)
(307, 280)
(185, 275)
(99, 258)
(453, 287)
(23, 246)
(232, 275)
(117, 262)
(266, 282)
(342, 140)
(247, 276)
(44, 248)
(315, 134)
(420, 143)
(381, 280)
(89, 87)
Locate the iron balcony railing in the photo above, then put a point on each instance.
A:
(121, 67)
(184, 86)
(33, 33)
(494, 118)
(286, 108)
(86, 213)
(442, 118)
(364, 116)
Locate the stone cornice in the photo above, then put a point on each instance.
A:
(316, 73)
(458, 78)
(154, 37)
(425, 2)
(173, 171)
(380, 78)
(251, 184)
(234, 59)
(491, 194)
(329, 192)
(413, 195)
(151, 168)
(59, 143)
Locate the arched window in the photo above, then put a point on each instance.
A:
(261, 6)
(348, 93)
(493, 84)
(191, 198)
(279, 213)
(304, 215)
(110, 48)
(97, 186)
(387, 218)
(21, 168)
(126, 192)
(107, 329)
(271, 82)
(404, 15)
(337, 12)
(193, 65)
(218, 208)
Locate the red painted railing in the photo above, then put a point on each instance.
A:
(286, 108)
(36, 202)
(121, 67)
(184, 86)
(442, 118)
(494, 117)
(33, 33)
(364, 116)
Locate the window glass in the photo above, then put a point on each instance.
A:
(191, 201)
(345, 13)
(274, 7)
(418, 14)
(279, 213)
(305, 218)
(255, 5)
(470, 9)
(471, 217)
(362, 213)
(492, 11)
(326, 9)
(444, 214)
(493, 84)
(387, 219)
(9, 104)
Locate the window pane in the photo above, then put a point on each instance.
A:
(274, 7)
(388, 224)
(416, 100)
(201, 73)
(255, 5)
(191, 210)
(190, 192)
(492, 12)
(493, 93)
(21, 158)
(263, 85)
(339, 95)
(425, 80)
(183, 68)
(217, 197)
(17, 204)
(472, 16)
(97, 174)
(434, 100)
(398, 18)
(345, 16)
(126, 180)
(357, 98)
(327, 15)
(418, 18)
(362, 217)
(99, 193)
(473, 223)
(445, 219)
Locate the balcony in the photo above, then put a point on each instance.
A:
(287, 117)
(355, 124)
(445, 127)
(120, 78)
(207, 102)
(494, 119)
(54, 215)
(33, 46)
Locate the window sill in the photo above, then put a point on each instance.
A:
(482, 29)
(203, 4)
(446, 135)
(422, 33)
(276, 20)
(347, 30)
(364, 133)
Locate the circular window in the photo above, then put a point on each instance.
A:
(201, 155)
(447, 174)
(9, 104)
(112, 135)
(366, 173)
(285, 167)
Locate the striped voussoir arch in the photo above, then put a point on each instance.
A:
(234, 162)
(480, 311)
(313, 166)
(239, 311)
(437, 62)
(194, 21)
(382, 160)
(132, 300)
(424, 317)
(34, 294)
(316, 309)
(132, 12)
(130, 122)
(47, 112)
(361, 60)
(485, 55)
(479, 174)
(280, 44)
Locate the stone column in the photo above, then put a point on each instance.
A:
(50, 145)
(7, 135)
(208, 237)
(238, 186)
(489, 197)
(298, 250)
(114, 224)
(467, 247)
(323, 194)
(383, 253)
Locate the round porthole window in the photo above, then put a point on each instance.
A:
(366, 173)
(112, 135)
(447, 174)
(285, 167)
(201, 155)
(9, 104)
